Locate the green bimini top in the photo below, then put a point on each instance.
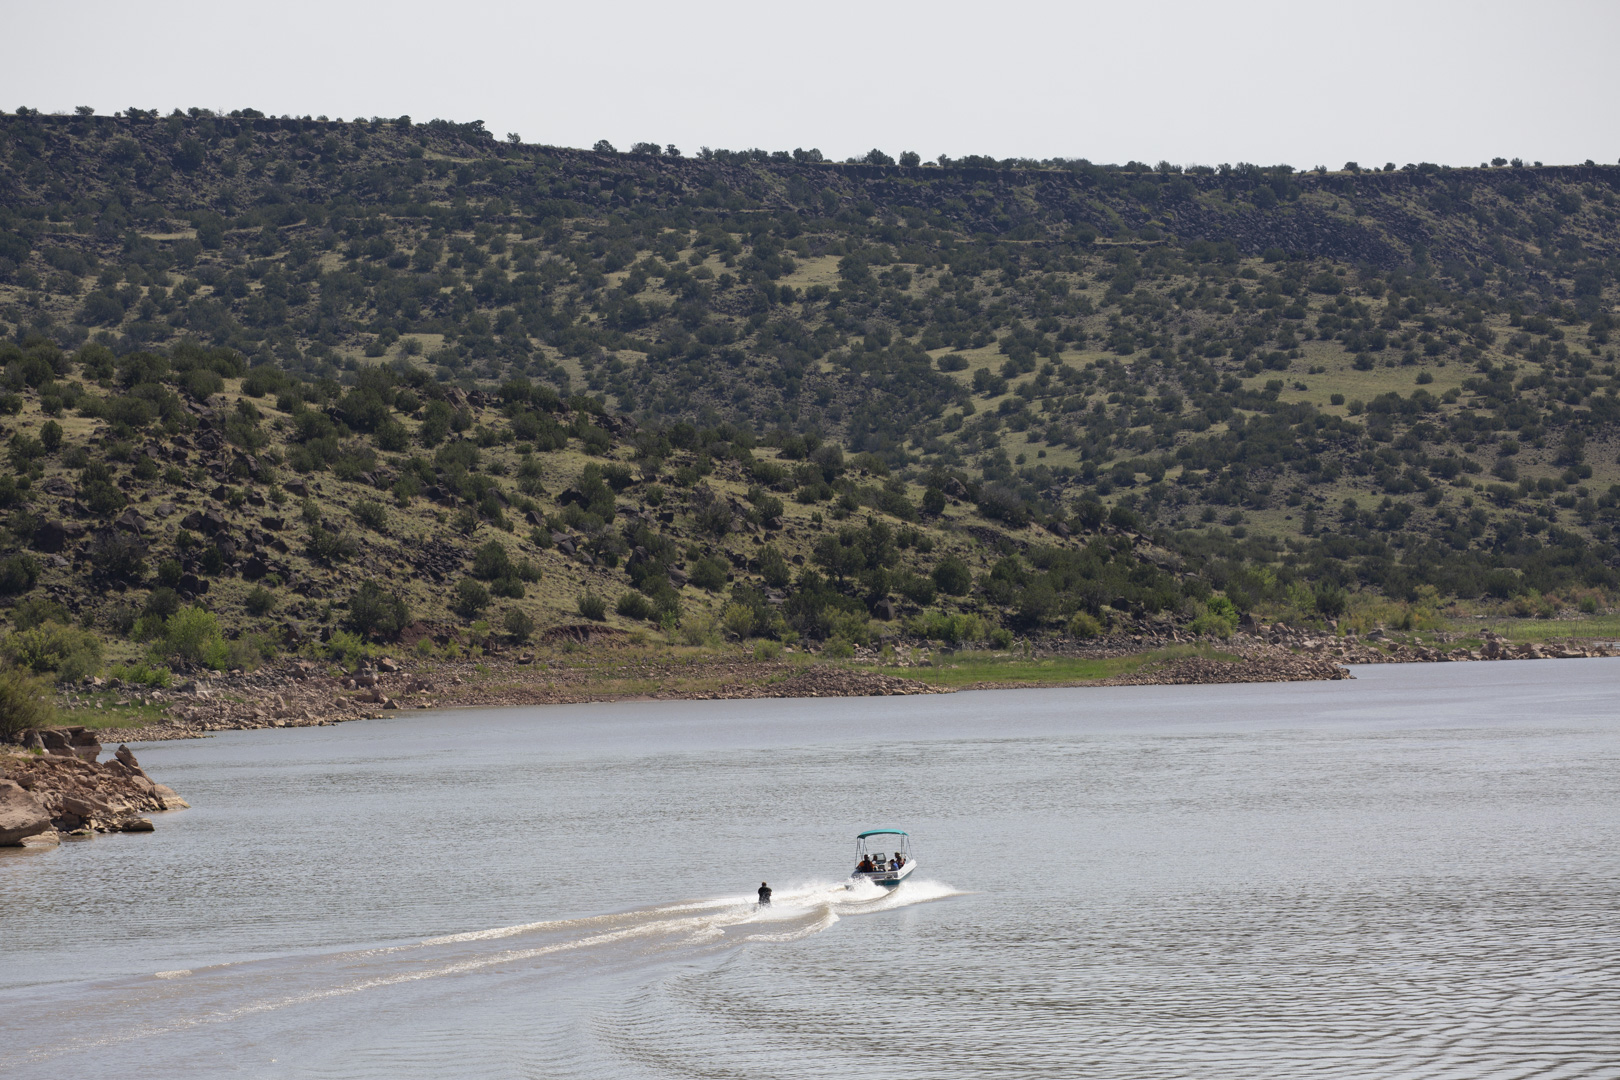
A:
(882, 832)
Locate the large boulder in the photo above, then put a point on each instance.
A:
(50, 536)
(21, 815)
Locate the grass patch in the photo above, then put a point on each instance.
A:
(111, 716)
(1597, 626)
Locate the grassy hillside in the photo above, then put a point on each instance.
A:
(1391, 391)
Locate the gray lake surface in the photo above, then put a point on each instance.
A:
(1414, 874)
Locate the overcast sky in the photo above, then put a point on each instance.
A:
(1192, 82)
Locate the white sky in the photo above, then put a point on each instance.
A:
(1303, 83)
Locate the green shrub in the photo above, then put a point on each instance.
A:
(54, 648)
(852, 626)
(372, 514)
(18, 574)
(915, 587)
(838, 649)
(1084, 626)
(31, 613)
(347, 648)
(191, 636)
(374, 610)
(1001, 637)
(259, 601)
(709, 573)
(519, 624)
(1208, 623)
(699, 629)
(632, 605)
(1331, 601)
(161, 602)
(953, 576)
(250, 650)
(951, 629)
(491, 562)
(25, 702)
(738, 619)
(330, 545)
(773, 568)
(142, 673)
(593, 607)
(471, 599)
(767, 650)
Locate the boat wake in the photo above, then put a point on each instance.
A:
(174, 1001)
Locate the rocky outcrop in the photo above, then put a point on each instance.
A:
(1200, 670)
(821, 681)
(1379, 647)
(79, 742)
(80, 796)
(21, 815)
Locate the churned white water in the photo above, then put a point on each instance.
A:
(1414, 874)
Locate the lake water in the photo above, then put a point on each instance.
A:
(1413, 874)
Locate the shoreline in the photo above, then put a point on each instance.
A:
(309, 694)
(54, 787)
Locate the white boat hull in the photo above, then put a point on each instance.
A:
(886, 878)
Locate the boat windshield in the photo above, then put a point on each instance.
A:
(881, 850)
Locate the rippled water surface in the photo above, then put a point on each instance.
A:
(1414, 874)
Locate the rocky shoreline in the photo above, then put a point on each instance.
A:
(304, 694)
(54, 787)
(54, 784)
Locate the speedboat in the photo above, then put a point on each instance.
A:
(888, 867)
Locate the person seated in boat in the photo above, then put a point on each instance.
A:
(899, 861)
(894, 863)
(865, 866)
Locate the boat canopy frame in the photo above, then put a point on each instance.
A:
(902, 842)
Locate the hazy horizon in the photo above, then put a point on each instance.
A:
(1452, 83)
